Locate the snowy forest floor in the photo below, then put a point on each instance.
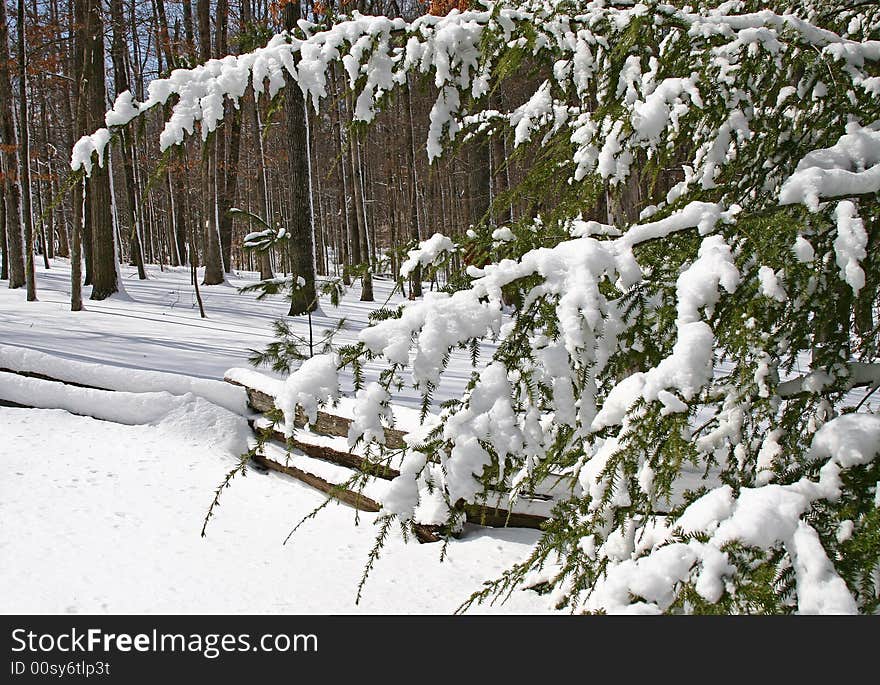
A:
(104, 517)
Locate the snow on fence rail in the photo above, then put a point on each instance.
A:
(185, 415)
(219, 413)
(262, 392)
(25, 361)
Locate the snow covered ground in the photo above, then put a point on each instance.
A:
(156, 324)
(101, 516)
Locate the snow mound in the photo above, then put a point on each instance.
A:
(187, 417)
(131, 380)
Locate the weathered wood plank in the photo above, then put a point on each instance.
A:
(427, 534)
(494, 517)
(349, 497)
(347, 459)
(325, 423)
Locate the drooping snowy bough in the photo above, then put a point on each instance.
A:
(696, 336)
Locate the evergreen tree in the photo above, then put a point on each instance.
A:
(696, 292)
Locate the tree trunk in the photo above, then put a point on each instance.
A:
(500, 180)
(176, 239)
(263, 184)
(120, 80)
(81, 203)
(4, 247)
(478, 180)
(188, 30)
(9, 163)
(80, 190)
(230, 186)
(228, 179)
(164, 36)
(363, 228)
(100, 201)
(25, 161)
(348, 228)
(415, 279)
(76, 250)
(213, 254)
(302, 239)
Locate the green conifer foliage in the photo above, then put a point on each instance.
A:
(694, 342)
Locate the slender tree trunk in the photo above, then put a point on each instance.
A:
(100, 200)
(222, 23)
(500, 180)
(41, 233)
(263, 184)
(213, 253)
(76, 253)
(120, 80)
(80, 190)
(345, 202)
(61, 221)
(415, 279)
(361, 209)
(164, 36)
(179, 188)
(79, 59)
(68, 116)
(479, 191)
(320, 215)
(9, 163)
(230, 186)
(176, 250)
(4, 246)
(302, 240)
(193, 254)
(228, 178)
(188, 30)
(25, 160)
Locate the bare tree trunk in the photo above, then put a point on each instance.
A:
(231, 146)
(25, 160)
(188, 30)
(415, 280)
(104, 272)
(500, 179)
(164, 36)
(41, 234)
(349, 250)
(80, 57)
(80, 190)
(193, 252)
(302, 239)
(478, 181)
(213, 256)
(60, 221)
(262, 185)
(9, 163)
(76, 253)
(4, 246)
(230, 186)
(175, 248)
(120, 79)
(213, 253)
(363, 228)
